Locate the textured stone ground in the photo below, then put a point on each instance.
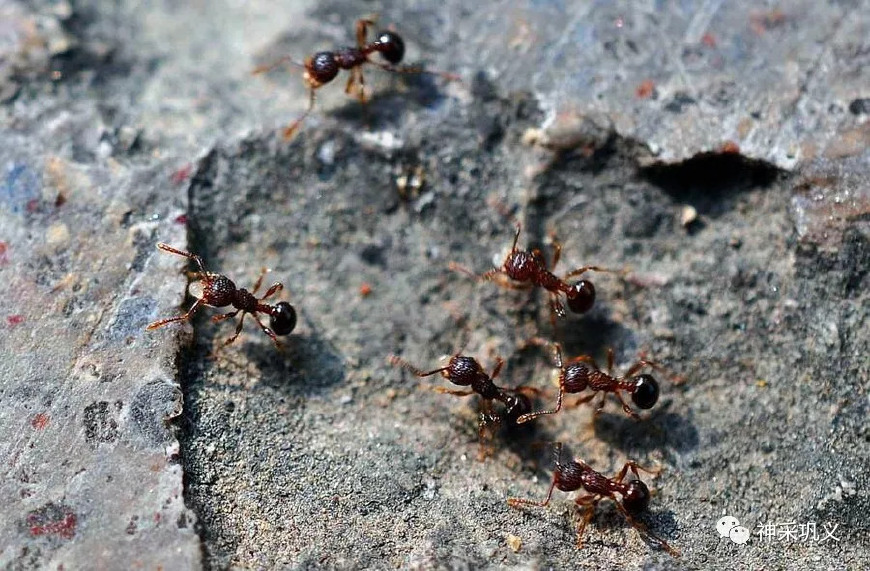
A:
(604, 123)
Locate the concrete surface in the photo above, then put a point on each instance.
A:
(605, 123)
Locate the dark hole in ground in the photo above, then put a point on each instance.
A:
(711, 182)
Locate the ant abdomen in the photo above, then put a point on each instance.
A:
(581, 296)
(635, 499)
(645, 392)
(282, 319)
(323, 67)
(391, 46)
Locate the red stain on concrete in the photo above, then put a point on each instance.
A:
(52, 519)
(40, 421)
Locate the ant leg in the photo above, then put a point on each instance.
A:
(456, 393)
(645, 532)
(499, 363)
(273, 289)
(362, 31)
(625, 406)
(290, 130)
(351, 81)
(486, 430)
(185, 317)
(557, 250)
(532, 415)
(601, 404)
(610, 361)
(238, 330)
(585, 269)
(516, 237)
(556, 307)
(222, 316)
(267, 331)
(277, 63)
(361, 92)
(455, 267)
(675, 378)
(495, 275)
(194, 257)
(584, 359)
(499, 278)
(397, 361)
(634, 467)
(517, 502)
(582, 400)
(587, 504)
(259, 280)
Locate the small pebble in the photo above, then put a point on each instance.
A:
(688, 215)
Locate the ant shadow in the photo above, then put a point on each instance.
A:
(608, 517)
(662, 430)
(391, 98)
(306, 365)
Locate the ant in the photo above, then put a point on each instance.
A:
(576, 474)
(323, 67)
(220, 291)
(529, 268)
(467, 372)
(576, 377)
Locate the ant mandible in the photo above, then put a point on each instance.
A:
(220, 291)
(323, 67)
(467, 372)
(576, 377)
(529, 268)
(576, 474)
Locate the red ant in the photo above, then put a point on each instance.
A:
(576, 474)
(220, 291)
(575, 377)
(323, 67)
(467, 372)
(529, 269)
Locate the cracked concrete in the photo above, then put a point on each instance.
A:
(716, 150)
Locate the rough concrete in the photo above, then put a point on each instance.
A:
(600, 122)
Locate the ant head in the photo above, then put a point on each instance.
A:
(321, 67)
(520, 265)
(218, 290)
(635, 499)
(575, 377)
(391, 46)
(282, 319)
(463, 370)
(581, 296)
(645, 393)
(516, 405)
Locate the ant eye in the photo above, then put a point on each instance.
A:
(517, 405)
(323, 67)
(581, 296)
(391, 46)
(646, 391)
(283, 318)
(636, 497)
